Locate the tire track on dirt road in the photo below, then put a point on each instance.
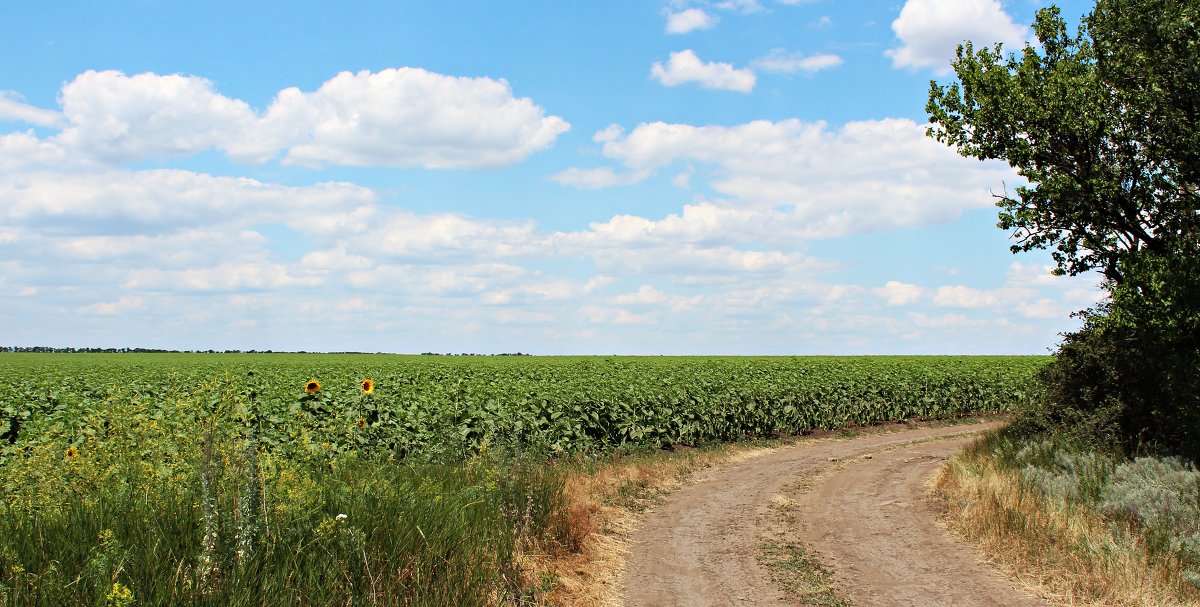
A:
(867, 519)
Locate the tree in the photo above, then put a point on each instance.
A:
(1104, 125)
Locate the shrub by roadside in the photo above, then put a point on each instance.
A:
(1080, 525)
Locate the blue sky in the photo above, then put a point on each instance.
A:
(635, 177)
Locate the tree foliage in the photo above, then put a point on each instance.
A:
(1104, 126)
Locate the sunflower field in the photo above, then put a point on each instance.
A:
(264, 479)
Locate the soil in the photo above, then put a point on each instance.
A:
(858, 506)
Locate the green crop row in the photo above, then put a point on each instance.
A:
(437, 408)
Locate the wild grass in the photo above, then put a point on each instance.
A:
(1082, 527)
(138, 511)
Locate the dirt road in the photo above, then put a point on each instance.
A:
(859, 508)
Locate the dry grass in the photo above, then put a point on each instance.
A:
(1066, 554)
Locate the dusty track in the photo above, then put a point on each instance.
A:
(865, 518)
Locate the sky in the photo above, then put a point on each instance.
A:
(620, 177)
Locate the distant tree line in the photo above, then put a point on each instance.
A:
(86, 350)
(472, 354)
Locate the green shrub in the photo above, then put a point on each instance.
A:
(1113, 385)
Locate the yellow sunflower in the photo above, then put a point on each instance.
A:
(312, 387)
(367, 386)
(72, 452)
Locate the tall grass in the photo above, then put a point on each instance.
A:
(139, 511)
(357, 534)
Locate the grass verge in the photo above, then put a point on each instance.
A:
(1048, 519)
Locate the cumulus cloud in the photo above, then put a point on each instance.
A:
(896, 293)
(930, 30)
(783, 62)
(684, 67)
(25, 151)
(789, 180)
(122, 118)
(688, 20)
(405, 117)
(611, 132)
(1054, 300)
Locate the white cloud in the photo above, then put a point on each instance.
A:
(153, 201)
(741, 6)
(401, 235)
(597, 178)
(1033, 275)
(597, 282)
(610, 133)
(12, 108)
(120, 118)
(959, 296)
(783, 62)
(695, 261)
(174, 249)
(684, 21)
(1042, 308)
(946, 321)
(646, 294)
(615, 316)
(896, 293)
(25, 151)
(403, 117)
(335, 260)
(224, 277)
(109, 308)
(684, 66)
(930, 30)
(790, 180)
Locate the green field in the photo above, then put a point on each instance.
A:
(217, 479)
(433, 407)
